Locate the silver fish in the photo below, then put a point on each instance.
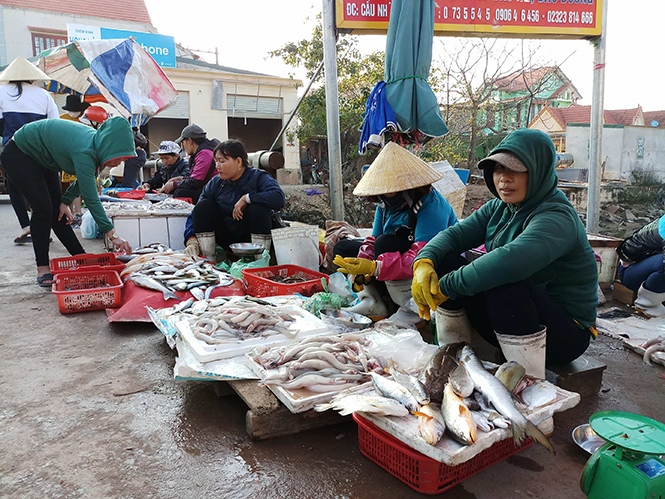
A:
(482, 422)
(412, 384)
(461, 382)
(197, 293)
(182, 306)
(539, 394)
(392, 389)
(430, 423)
(381, 406)
(501, 399)
(459, 420)
(149, 283)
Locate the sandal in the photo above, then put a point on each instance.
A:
(23, 239)
(46, 280)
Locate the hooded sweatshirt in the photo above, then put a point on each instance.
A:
(79, 150)
(543, 239)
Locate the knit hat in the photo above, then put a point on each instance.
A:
(395, 169)
(22, 69)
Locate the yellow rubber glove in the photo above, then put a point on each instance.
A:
(355, 266)
(425, 288)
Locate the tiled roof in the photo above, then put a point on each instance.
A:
(516, 81)
(123, 10)
(582, 114)
(658, 116)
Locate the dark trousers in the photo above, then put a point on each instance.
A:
(19, 204)
(649, 271)
(209, 217)
(41, 187)
(519, 309)
(386, 243)
(187, 193)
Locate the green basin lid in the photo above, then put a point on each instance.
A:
(630, 431)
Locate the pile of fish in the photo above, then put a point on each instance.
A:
(291, 279)
(172, 204)
(651, 347)
(454, 393)
(126, 206)
(226, 320)
(168, 272)
(321, 364)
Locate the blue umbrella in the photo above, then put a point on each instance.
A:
(408, 61)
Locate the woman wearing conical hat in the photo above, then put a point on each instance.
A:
(21, 103)
(410, 213)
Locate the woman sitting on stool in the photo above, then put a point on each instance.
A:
(642, 269)
(236, 206)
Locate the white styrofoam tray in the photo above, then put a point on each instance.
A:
(636, 346)
(300, 400)
(306, 324)
(452, 453)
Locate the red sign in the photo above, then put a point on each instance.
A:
(507, 18)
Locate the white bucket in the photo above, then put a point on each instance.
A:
(297, 246)
(528, 351)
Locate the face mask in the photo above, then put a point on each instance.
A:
(396, 202)
(74, 114)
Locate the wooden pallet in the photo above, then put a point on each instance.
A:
(267, 417)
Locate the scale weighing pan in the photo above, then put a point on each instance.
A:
(630, 431)
(247, 249)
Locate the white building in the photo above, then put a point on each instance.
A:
(226, 102)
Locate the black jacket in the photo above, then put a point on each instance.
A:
(178, 169)
(643, 244)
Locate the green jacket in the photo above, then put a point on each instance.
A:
(542, 240)
(62, 145)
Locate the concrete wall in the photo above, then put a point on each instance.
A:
(577, 144)
(654, 150)
(215, 122)
(620, 146)
(17, 38)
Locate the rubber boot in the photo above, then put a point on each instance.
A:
(400, 294)
(649, 302)
(547, 426)
(370, 304)
(207, 244)
(265, 239)
(528, 351)
(452, 326)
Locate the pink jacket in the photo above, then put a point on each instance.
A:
(391, 266)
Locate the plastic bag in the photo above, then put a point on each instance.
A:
(403, 347)
(89, 229)
(235, 269)
(325, 299)
(339, 285)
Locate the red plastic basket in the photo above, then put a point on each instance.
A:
(418, 471)
(84, 291)
(257, 282)
(86, 262)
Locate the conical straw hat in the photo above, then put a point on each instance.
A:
(22, 69)
(395, 169)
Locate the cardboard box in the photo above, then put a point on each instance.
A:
(623, 294)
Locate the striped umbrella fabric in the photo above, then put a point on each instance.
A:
(119, 71)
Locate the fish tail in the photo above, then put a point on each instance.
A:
(518, 434)
(538, 436)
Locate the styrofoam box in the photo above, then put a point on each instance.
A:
(305, 325)
(141, 231)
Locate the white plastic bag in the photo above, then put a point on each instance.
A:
(338, 284)
(89, 229)
(404, 347)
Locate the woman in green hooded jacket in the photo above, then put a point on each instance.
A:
(538, 279)
(40, 150)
